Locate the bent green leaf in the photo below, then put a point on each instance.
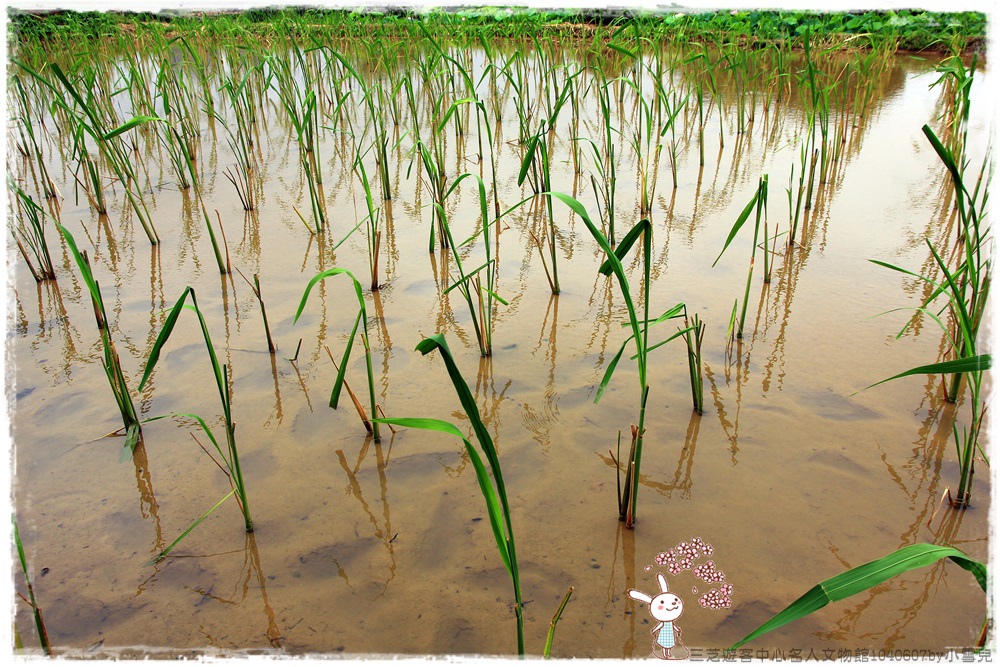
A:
(866, 576)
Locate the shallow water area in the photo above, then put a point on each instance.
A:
(385, 547)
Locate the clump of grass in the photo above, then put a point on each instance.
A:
(360, 319)
(694, 335)
(230, 455)
(29, 146)
(537, 145)
(94, 123)
(480, 297)
(965, 289)
(302, 110)
(241, 140)
(112, 364)
(372, 222)
(628, 492)
(757, 203)
(30, 233)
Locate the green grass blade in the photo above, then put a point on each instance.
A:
(338, 385)
(168, 327)
(497, 297)
(425, 423)
(88, 276)
(946, 157)
(437, 342)
(201, 422)
(163, 554)
(980, 362)
(493, 505)
(326, 274)
(529, 155)
(616, 265)
(550, 637)
(866, 576)
(909, 273)
(125, 127)
(626, 244)
(611, 369)
(739, 223)
(622, 50)
(43, 635)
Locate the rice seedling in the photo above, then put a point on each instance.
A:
(187, 160)
(647, 152)
(30, 232)
(494, 491)
(94, 123)
(694, 335)
(515, 71)
(301, 110)
(179, 110)
(864, 577)
(482, 117)
(374, 97)
(92, 182)
(29, 146)
(241, 141)
(373, 220)
(678, 105)
(605, 163)
(640, 335)
(957, 81)
(480, 297)
(230, 456)
(537, 144)
(361, 319)
(112, 363)
(43, 635)
(965, 289)
(759, 203)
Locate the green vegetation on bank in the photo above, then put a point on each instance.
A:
(909, 29)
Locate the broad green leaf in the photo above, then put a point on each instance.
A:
(424, 423)
(739, 223)
(626, 244)
(168, 327)
(529, 155)
(88, 276)
(338, 385)
(611, 369)
(979, 362)
(866, 576)
(125, 127)
(492, 505)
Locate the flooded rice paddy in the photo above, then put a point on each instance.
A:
(385, 547)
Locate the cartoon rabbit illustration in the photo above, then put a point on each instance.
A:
(665, 608)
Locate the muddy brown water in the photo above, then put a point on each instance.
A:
(366, 547)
